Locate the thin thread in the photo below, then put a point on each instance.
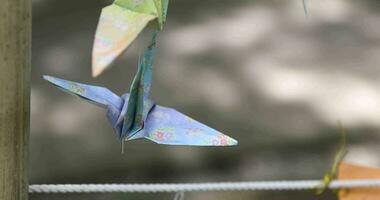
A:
(305, 9)
(190, 187)
(179, 196)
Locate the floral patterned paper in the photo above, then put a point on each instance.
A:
(134, 115)
(119, 25)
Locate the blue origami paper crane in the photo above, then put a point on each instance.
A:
(134, 115)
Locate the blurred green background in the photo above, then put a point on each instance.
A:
(257, 70)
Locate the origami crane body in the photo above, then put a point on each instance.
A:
(120, 24)
(134, 115)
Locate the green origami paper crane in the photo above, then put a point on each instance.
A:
(120, 24)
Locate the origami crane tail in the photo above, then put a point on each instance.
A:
(99, 95)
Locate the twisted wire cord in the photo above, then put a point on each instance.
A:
(190, 187)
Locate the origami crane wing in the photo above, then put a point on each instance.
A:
(168, 126)
(139, 103)
(120, 24)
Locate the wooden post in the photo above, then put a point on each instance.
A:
(15, 47)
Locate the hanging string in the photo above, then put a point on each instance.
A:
(179, 196)
(122, 146)
(305, 8)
